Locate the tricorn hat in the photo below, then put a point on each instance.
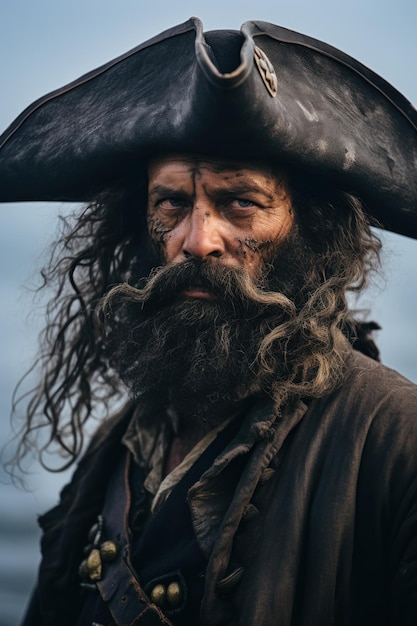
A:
(263, 92)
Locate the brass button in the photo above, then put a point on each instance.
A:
(174, 594)
(158, 595)
(94, 565)
(108, 551)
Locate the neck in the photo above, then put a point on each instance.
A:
(191, 430)
(178, 450)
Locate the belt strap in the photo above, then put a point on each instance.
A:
(119, 587)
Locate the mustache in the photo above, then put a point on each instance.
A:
(166, 284)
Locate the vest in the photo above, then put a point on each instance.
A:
(158, 574)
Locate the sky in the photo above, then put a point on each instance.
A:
(45, 44)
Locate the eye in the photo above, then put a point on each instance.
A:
(243, 204)
(175, 202)
(171, 204)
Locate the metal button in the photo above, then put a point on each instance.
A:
(94, 565)
(158, 595)
(108, 551)
(174, 594)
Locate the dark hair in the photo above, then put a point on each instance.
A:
(107, 244)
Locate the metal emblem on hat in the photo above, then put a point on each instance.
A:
(266, 70)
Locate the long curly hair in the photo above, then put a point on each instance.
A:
(105, 245)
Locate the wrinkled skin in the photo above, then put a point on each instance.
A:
(236, 214)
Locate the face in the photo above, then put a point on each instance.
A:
(217, 211)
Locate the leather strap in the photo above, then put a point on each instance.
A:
(119, 587)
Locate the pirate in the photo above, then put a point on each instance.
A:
(260, 467)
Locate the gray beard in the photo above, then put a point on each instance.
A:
(198, 356)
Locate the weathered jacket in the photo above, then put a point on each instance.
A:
(320, 530)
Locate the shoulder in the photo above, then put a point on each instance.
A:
(373, 387)
(376, 408)
(86, 487)
(367, 428)
(385, 402)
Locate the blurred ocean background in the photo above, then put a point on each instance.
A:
(46, 44)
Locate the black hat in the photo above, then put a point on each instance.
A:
(263, 92)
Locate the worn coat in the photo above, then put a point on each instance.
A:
(320, 529)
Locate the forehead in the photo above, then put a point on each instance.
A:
(174, 166)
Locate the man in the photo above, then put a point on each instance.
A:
(260, 471)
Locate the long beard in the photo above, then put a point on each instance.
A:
(200, 356)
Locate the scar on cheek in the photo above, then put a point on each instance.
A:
(157, 229)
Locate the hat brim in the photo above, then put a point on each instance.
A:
(303, 104)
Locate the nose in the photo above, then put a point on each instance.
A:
(203, 235)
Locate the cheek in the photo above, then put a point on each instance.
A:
(156, 228)
(167, 239)
(254, 253)
(263, 238)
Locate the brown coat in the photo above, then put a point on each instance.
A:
(320, 530)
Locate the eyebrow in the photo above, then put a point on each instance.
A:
(164, 190)
(232, 190)
(237, 189)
